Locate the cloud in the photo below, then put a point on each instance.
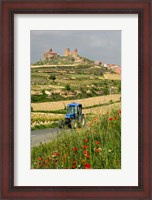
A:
(96, 45)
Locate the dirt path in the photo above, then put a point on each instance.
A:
(85, 102)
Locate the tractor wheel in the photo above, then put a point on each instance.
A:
(61, 123)
(74, 124)
(82, 121)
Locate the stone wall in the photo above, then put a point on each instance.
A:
(74, 53)
(49, 54)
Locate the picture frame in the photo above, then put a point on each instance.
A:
(9, 9)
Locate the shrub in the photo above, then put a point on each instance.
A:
(68, 87)
(52, 77)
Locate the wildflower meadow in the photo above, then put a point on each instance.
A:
(95, 146)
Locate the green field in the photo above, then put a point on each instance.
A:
(72, 82)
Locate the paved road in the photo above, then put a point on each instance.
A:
(43, 135)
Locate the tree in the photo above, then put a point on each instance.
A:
(52, 77)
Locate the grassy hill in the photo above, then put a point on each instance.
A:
(64, 60)
(64, 78)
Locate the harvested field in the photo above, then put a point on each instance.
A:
(102, 109)
(58, 105)
(112, 76)
(46, 116)
(52, 116)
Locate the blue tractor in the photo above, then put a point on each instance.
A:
(74, 117)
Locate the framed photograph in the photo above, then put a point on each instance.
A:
(75, 99)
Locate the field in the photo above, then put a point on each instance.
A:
(55, 86)
(62, 83)
(93, 101)
(97, 145)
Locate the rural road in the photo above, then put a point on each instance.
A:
(43, 135)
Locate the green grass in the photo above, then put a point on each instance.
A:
(97, 146)
(51, 111)
(43, 126)
(61, 60)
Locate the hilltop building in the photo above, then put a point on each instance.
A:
(74, 53)
(118, 70)
(50, 54)
(114, 67)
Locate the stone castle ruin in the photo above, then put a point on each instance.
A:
(74, 53)
(50, 54)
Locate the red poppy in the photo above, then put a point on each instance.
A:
(110, 118)
(46, 161)
(86, 152)
(73, 167)
(86, 140)
(88, 156)
(57, 154)
(97, 142)
(40, 158)
(74, 149)
(85, 147)
(97, 150)
(87, 166)
(74, 162)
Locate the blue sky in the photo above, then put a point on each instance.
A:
(98, 45)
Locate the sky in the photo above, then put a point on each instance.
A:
(97, 45)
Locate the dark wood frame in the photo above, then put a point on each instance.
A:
(9, 8)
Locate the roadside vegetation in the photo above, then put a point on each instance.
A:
(97, 146)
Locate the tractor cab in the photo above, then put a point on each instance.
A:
(74, 110)
(73, 117)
